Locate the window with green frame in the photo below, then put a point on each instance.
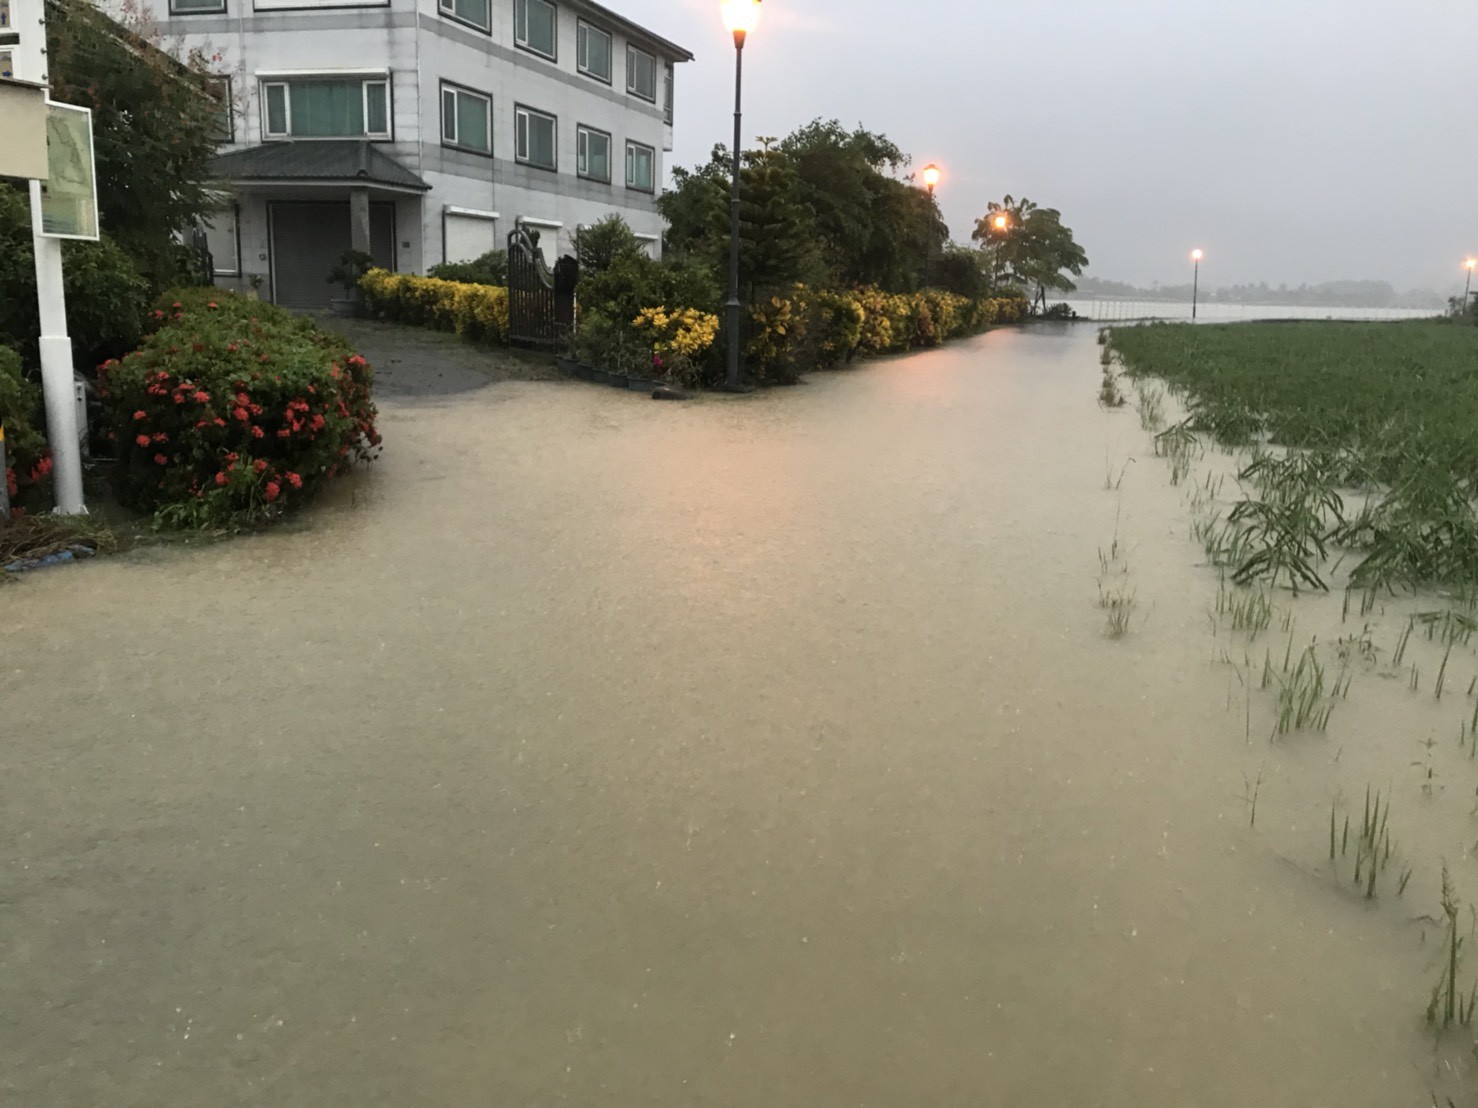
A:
(534, 23)
(476, 12)
(327, 108)
(466, 119)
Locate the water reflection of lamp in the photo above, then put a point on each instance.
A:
(740, 17)
(1468, 281)
(1196, 257)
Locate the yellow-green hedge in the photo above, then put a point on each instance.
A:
(478, 311)
(790, 332)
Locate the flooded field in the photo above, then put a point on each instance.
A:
(767, 750)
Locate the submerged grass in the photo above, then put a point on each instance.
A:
(1385, 408)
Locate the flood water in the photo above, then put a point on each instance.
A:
(751, 751)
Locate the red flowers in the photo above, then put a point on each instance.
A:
(274, 490)
(241, 414)
(221, 478)
(212, 304)
(142, 440)
(201, 397)
(140, 414)
(258, 433)
(161, 459)
(259, 465)
(294, 480)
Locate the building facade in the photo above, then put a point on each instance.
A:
(423, 131)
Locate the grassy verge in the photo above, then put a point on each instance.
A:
(1388, 409)
(39, 536)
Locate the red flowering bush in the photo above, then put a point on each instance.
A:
(27, 459)
(233, 409)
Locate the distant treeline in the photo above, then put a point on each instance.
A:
(1333, 294)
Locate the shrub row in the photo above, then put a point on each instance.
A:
(27, 459)
(789, 332)
(232, 409)
(477, 311)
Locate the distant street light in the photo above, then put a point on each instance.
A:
(1468, 281)
(931, 179)
(740, 17)
(1196, 257)
(1001, 222)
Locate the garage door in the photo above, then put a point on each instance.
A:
(308, 237)
(468, 237)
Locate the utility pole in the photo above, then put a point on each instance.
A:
(58, 382)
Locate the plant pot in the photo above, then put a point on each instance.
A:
(617, 379)
(568, 366)
(640, 384)
(344, 308)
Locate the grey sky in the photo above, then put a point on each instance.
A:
(1302, 140)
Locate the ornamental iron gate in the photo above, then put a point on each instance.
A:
(541, 302)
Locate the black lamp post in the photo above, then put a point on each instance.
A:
(931, 179)
(1195, 281)
(740, 17)
(1468, 281)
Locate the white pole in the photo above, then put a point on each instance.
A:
(57, 375)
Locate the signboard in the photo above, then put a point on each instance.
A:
(23, 131)
(69, 200)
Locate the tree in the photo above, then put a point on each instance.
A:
(156, 122)
(1029, 245)
(777, 244)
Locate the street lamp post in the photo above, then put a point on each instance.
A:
(931, 179)
(1196, 256)
(1001, 223)
(1468, 281)
(740, 17)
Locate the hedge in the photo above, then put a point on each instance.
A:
(232, 410)
(790, 331)
(27, 459)
(477, 311)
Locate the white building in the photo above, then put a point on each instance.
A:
(425, 130)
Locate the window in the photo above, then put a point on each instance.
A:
(221, 238)
(641, 74)
(533, 26)
(353, 108)
(195, 7)
(667, 95)
(533, 140)
(466, 119)
(641, 167)
(593, 52)
(222, 88)
(593, 154)
(477, 13)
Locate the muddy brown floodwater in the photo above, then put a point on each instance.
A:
(752, 751)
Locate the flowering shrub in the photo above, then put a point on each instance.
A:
(232, 410)
(475, 310)
(779, 325)
(837, 319)
(27, 459)
(679, 338)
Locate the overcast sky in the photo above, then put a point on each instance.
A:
(1292, 140)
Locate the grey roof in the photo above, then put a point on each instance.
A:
(671, 50)
(316, 160)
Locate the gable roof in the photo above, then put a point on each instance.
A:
(670, 50)
(349, 161)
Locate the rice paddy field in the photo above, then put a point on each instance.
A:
(1328, 472)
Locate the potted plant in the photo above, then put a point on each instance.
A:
(351, 266)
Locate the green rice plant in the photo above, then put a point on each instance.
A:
(1447, 1006)
(1112, 480)
(1118, 605)
(1305, 699)
(1373, 845)
(1151, 407)
(1249, 611)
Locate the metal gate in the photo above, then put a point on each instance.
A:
(541, 303)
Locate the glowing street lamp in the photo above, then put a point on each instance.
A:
(1196, 257)
(740, 17)
(1468, 280)
(931, 177)
(1001, 222)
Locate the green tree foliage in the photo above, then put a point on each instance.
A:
(106, 296)
(156, 123)
(604, 243)
(1034, 248)
(824, 205)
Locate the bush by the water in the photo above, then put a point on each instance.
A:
(233, 409)
(27, 460)
(477, 311)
